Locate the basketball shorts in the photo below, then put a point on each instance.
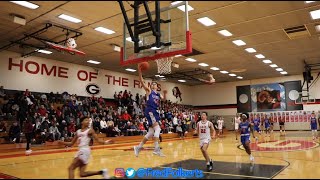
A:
(84, 155)
(236, 126)
(256, 128)
(267, 126)
(204, 141)
(281, 123)
(314, 127)
(245, 139)
(152, 117)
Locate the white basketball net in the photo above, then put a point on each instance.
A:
(164, 65)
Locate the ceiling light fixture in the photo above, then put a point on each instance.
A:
(182, 7)
(26, 4)
(206, 21)
(315, 14)
(215, 68)
(43, 51)
(260, 56)
(191, 60)
(93, 62)
(131, 70)
(267, 61)
(104, 30)
(225, 33)
(239, 42)
(203, 64)
(69, 18)
(250, 50)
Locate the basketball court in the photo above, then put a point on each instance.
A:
(181, 45)
(230, 161)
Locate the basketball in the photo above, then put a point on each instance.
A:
(144, 66)
(71, 43)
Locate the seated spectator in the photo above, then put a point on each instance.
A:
(96, 125)
(14, 133)
(142, 130)
(103, 125)
(64, 134)
(111, 131)
(42, 111)
(132, 129)
(126, 116)
(54, 133)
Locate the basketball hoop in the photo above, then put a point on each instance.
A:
(164, 65)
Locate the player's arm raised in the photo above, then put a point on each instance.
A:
(95, 136)
(213, 135)
(145, 87)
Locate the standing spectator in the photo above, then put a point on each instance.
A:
(14, 133)
(28, 131)
(175, 122)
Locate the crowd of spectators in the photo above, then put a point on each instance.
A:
(53, 116)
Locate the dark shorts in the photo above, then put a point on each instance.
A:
(256, 128)
(281, 123)
(152, 117)
(245, 139)
(314, 127)
(267, 126)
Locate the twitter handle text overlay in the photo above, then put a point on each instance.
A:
(164, 173)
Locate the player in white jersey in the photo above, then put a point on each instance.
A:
(83, 137)
(220, 126)
(204, 130)
(236, 122)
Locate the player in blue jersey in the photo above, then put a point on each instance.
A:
(244, 130)
(267, 124)
(314, 126)
(153, 117)
(256, 125)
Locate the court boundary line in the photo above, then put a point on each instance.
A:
(236, 175)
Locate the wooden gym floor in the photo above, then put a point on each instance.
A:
(292, 156)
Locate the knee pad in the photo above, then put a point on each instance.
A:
(157, 131)
(150, 133)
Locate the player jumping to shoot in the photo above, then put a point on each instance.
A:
(81, 159)
(206, 131)
(153, 117)
(244, 128)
